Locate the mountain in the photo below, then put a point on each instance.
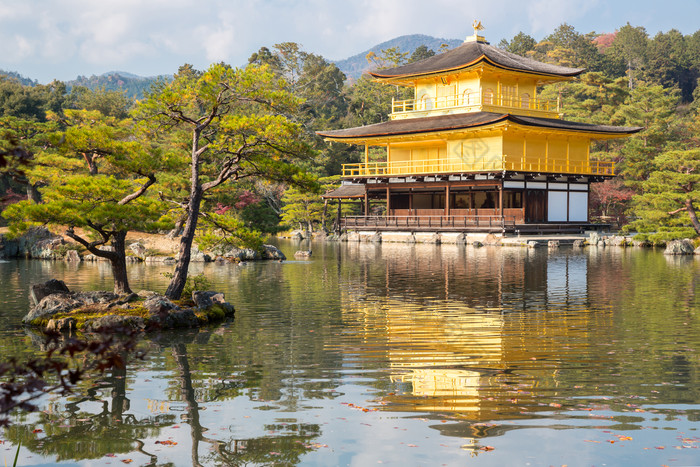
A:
(16, 76)
(354, 66)
(133, 85)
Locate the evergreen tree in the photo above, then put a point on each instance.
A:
(233, 125)
(671, 195)
(630, 48)
(421, 53)
(520, 44)
(106, 206)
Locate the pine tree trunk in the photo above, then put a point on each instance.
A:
(118, 262)
(177, 230)
(693, 215)
(325, 213)
(33, 193)
(177, 283)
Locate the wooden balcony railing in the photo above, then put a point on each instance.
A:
(483, 164)
(473, 101)
(429, 222)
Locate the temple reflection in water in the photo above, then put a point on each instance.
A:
(481, 337)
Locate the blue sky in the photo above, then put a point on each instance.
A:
(47, 39)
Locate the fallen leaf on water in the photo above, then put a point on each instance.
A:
(167, 442)
(659, 447)
(591, 441)
(110, 455)
(487, 448)
(412, 445)
(127, 461)
(37, 430)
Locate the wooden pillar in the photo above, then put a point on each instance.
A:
(339, 226)
(366, 171)
(388, 201)
(366, 209)
(500, 202)
(447, 200)
(588, 208)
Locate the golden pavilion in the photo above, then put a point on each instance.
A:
(476, 149)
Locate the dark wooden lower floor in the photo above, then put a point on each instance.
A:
(496, 202)
(460, 223)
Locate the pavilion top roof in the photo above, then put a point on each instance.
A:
(470, 54)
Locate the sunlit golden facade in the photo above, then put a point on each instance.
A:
(477, 137)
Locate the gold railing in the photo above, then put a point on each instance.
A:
(484, 164)
(475, 101)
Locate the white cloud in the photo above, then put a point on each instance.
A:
(156, 36)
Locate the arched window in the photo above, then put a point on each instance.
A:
(525, 100)
(488, 96)
(426, 102)
(468, 97)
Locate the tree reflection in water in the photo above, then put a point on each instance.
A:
(286, 449)
(75, 432)
(98, 422)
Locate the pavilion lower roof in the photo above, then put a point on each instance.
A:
(466, 121)
(346, 192)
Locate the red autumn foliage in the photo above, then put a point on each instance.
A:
(604, 41)
(246, 198)
(609, 200)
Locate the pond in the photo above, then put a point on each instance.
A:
(391, 354)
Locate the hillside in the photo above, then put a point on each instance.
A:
(16, 76)
(354, 66)
(133, 85)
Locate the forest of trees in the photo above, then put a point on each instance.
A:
(261, 168)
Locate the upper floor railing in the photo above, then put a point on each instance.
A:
(482, 164)
(475, 101)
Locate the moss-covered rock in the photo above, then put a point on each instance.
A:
(87, 311)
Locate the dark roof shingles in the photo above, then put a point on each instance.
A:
(470, 52)
(466, 120)
(346, 192)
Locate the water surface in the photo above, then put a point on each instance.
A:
(392, 354)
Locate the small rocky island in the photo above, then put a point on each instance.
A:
(56, 308)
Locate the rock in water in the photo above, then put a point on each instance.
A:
(38, 291)
(680, 247)
(138, 250)
(207, 299)
(72, 256)
(303, 254)
(272, 252)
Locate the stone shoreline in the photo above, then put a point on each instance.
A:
(593, 239)
(40, 243)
